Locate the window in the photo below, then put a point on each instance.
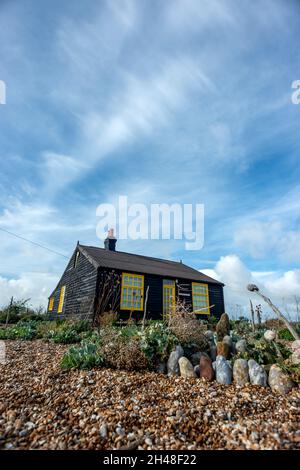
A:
(61, 299)
(51, 303)
(168, 296)
(200, 298)
(76, 258)
(132, 292)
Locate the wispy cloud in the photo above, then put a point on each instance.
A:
(184, 101)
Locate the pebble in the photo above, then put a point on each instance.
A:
(103, 431)
(204, 415)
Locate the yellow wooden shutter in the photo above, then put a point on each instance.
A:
(61, 299)
(51, 303)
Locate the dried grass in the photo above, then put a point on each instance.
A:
(186, 327)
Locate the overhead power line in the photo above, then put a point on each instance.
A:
(32, 242)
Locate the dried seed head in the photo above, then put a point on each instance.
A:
(252, 288)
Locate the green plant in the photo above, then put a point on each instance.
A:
(156, 341)
(66, 336)
(84, 356)
(241, 327)
(81, 326)
(128, 331)
(264, 352)
(293, 370)
(285, 334)
(21, 330)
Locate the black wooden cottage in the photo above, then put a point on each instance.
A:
(141, 280)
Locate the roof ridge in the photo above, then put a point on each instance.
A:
(141, 263)
(141, 256)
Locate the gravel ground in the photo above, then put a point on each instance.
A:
(42, 407)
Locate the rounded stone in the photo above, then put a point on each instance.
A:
(223, 371)
(295, 357)
(172, 364)
(241, 346)
(269, 335)
(279, 381)
(241, 372)
(257, 374)
(206, 369)
(295, 345)
(186, 368)
(223, 327)
(222, 349)
(209, 335)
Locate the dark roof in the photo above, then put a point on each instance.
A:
(142, 264)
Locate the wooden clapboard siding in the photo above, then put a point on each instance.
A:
(80, 282)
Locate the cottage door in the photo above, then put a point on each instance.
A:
(168, 296)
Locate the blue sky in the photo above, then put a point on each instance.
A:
(183, 101)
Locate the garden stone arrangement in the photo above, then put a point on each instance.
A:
(227, 367)
(174, 384)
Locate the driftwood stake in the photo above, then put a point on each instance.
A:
(252, 315)
(145, 308)
(9, 311)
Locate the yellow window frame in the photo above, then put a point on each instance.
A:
(169, 299)
(61, 299)
(51, 304)
(200, 297)
(132, 283)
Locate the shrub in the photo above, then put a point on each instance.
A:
(108, 319)
(264, 352)
(293, 370)
(285, 334)
(123, 352)
(84, 356)
(66, 336)
(22, 330)
(13, 317)
(81, 326)
(241, 327)
(188, 329)
(156, 342)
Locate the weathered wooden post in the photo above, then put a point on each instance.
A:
(9, 311)
(252, 315)
(145, 308)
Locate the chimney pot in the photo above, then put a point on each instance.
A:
(110, 241)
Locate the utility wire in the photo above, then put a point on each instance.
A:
(33, 243)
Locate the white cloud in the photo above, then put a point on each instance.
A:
(33, 285)
(280, 287)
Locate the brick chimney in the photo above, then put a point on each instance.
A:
(110, 241)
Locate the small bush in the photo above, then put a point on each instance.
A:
(188, 329)
(84, 356)
(22, 330)
(285, 334)
(123, 352)
(293, 370)
(108, 319)
(156, 342)
(67, 336)
(241, 327)
(264, 352)
(81, 326)
(12, 318)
